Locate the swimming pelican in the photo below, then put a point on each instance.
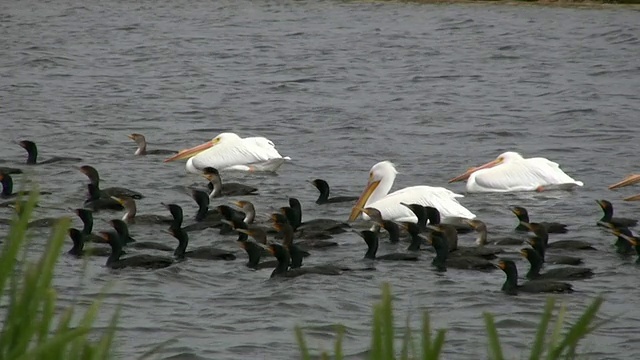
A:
(229, 151)
(629, 180)
(511, 172)
(376, 195)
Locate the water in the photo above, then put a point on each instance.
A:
(338, 87)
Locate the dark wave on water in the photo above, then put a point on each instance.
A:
(338, 87)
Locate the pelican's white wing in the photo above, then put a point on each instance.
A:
(444, 200)
(241, 153)
(524, 175)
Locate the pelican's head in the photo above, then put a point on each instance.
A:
(501, 159)
(378, 172)
(187, 153)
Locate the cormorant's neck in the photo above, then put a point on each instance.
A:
(183, 242)
(394, 232)
(216, 184)
(142, 148)
(291, 215)
(422, 218)
(297, 213)
(296, 256)
(442, 253)
(7, 185)
(250, 215)
(433, 217)
(510, 285)
(287, 234)
(608, 214)
(324, 194)
(372, 249)
(283, 265)
(94, 192)
(78, 245)
(416, 241)
(253, 253)
(203, 209)
(481, 240)
(32, 157)
(536, 266)
(540, 248)
(87, 222)
(116, 251)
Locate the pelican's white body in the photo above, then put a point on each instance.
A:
(390, 205)
(516, 173)
(235, 153)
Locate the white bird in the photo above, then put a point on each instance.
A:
(228, 151)
(512, 172)
(376, 195)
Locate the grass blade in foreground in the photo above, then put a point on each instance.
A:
(382, 335)
(27, 330)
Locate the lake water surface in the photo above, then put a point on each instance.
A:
(338, 86)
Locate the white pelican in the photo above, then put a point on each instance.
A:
(629, 180)
(229, 151)
(511, 172)
(376, 195)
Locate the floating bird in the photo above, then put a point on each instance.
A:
(228, 151)
(10, 170)
(284, 259)
(283, 226)
(540, 231)
(539, 246)
(95, 202)
(371, 239)
(86, 216)
(254, 251)
(448, 232)
(122, 230)
(130, 216)
(481, 229)
(563, 273)
(32, 151)
(632, 240)
(218, 189)
(442, 260)
(376, 195)
(391, 227)
(324, 198)
(142, 260)
(523, 216)
(607, 217)
(512, 172)
(202, 252)
(78, 249)
(94, 179)
(142, 146)
(315, 226)
(624, 240)
(7, 188)
(511, 286)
